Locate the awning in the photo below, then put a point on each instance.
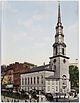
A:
(9, 86)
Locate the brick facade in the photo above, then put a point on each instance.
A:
(14, 70)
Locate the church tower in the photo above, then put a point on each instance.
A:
(59, 62)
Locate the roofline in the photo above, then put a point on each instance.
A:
(59, 56)
(29, 63)
(55, 78)
(51, 78)
(36, 71)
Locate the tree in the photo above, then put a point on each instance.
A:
(74, 76)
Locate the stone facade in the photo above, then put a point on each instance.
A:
(34, 80)
(60, 62)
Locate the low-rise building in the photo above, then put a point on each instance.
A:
(10, 75)
(4, 79)
(35, 78)
(12, 72)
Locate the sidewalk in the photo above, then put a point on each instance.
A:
(8, 99)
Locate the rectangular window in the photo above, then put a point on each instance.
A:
(28, 88)
(56, 88)
(41, 99)
(31, 80)
(41, 79)
(53, 89)
(48, 82)
(34, 80)
(48, 88)
(56, 82)
(28, 80)
(25, 81)
(37, 80)
(22, 81)
(63, 51)
(52, 82)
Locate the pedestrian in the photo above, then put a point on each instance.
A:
(14, 100)
(57, 99)
(4, 96)
(7, 100)
(25, 100)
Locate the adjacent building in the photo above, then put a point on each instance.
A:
(3, 75)
(53, 77)
(11, 74)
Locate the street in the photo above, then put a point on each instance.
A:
(7, 99)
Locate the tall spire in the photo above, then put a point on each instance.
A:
(59, 18)
(59, 27)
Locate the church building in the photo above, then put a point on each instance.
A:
(53, 77)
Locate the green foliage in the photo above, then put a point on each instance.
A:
(76, 88)
(74, 76)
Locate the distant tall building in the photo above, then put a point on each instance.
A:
(53, 77)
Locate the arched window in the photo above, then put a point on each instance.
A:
(37, 80)
(22, 81)
(41, 79)
(31, 80)
(34, 80)
(63, 51)
(25, 81)
(28, 80)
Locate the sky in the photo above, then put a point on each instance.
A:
(28, 30)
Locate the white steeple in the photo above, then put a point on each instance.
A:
(59, 47)
(59, 62)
